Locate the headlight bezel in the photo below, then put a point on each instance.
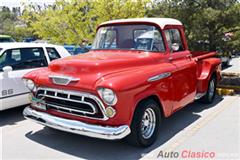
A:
(29, 84)
(104, 92)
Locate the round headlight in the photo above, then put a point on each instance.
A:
(29, 84)
(108, 96)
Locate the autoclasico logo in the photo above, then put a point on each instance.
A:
(187, 154)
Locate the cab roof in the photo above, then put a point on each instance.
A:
(24, 45)
(162, 22)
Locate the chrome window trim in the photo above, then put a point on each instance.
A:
(82, 94)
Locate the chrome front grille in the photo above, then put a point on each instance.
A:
(72, 102)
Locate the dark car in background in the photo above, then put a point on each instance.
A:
(6, 38)
(236, 53)
(75, 50)
(29, 39)
(224, 55)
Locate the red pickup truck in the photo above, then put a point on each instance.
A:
(138, 72)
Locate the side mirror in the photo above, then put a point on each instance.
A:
(175, 47)
(7, 69)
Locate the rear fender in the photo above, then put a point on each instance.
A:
(206, 68)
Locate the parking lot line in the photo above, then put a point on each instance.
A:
(190, 131)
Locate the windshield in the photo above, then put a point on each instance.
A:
(129, 37)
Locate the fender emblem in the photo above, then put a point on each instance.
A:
(160, 76)
(62, 80)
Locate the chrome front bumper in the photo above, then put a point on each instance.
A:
(77, 127)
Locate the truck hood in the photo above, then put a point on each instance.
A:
(100, 62)
(94, 65)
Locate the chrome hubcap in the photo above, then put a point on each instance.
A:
(211, 89)
(148, 123)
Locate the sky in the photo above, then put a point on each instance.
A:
(17, 3)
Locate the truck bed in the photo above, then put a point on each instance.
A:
(202, 54)
(205, 61)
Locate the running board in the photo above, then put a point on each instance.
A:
(199, 95)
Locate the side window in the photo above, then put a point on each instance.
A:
(16, 55)
(23, 58)
(173, 36)
(158, 41)
(2, 58)
(9, 58)
(52, 53)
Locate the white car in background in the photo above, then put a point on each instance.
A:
(17, 59)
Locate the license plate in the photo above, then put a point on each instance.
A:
(39, 103)
(41, 106)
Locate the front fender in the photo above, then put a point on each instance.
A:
(132, 86)
(33, 75)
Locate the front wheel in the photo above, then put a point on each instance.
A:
(145, 124)
(210, 95)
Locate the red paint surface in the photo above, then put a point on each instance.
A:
(127, 72)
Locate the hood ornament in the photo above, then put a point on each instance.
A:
(62, 80)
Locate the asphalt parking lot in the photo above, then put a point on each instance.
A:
(196, 128)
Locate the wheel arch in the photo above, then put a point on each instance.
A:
(154, 98)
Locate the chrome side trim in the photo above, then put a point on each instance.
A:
(199, 95)
(159, 77)
(83, 94)
(77, 127)
(62, 80)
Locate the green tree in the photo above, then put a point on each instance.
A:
(12, 25)
(73, 21)
(205, 20)
(7, 21)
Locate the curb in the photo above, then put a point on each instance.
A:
(225, 92)
(230, 84)
(230, 74)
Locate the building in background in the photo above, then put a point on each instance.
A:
(19, 4)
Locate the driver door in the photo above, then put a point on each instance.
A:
(184, 77)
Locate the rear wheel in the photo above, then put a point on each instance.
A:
(145, 124)
(210, 95)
